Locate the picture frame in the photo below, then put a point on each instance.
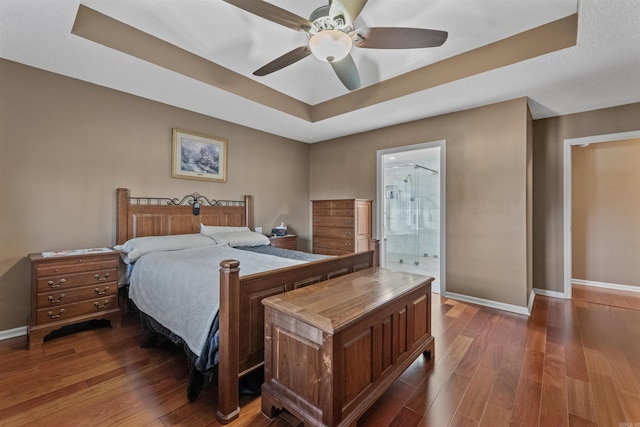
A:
(198, 156)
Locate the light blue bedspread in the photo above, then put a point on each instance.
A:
(180, 289)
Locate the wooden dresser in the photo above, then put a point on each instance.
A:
(333, 348)
(71, 289)
(341, 226)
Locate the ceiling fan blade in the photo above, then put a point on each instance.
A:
(350, 9)
(283, 61)
(347, 72)
(399, 38)
(272, 13)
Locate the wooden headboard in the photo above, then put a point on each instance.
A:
(160, 216)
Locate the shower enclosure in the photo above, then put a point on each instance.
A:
(412, 217)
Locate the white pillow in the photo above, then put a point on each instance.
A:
(215, 229)
(242, 238)
(134, 248)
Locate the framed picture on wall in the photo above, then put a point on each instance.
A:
(197, 156)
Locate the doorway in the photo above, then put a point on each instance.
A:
(567, 184)
(410, 217)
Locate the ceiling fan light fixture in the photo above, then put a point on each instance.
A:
(330, 45)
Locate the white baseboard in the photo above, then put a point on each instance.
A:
(547, 293)
(493, 304)
(12, 333)
(606, 285)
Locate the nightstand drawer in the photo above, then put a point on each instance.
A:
(66, 296)
(285, 242)
(67, 281)
(56, 266)
(69, 311)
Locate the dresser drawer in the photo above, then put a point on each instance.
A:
(333, 232)
(69, 311)
(325, 251)
(57, 266)
(333, 211)
(321, 211)
(322, 205)
(338, 244)
(333, 222)
(342, 204)
(348, 212)
(74, 280)
(56, 297)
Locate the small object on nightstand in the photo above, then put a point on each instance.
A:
(69, 287)
(289, 241)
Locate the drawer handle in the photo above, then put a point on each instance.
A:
(55, 301)
(60, 283)
(348, 222)
(99, 292)
(347, 233)
(100, 307)
(106, 277)
(55, 316)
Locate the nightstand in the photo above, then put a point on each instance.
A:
(290, 241)
(71, 289)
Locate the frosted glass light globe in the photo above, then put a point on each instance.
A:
(330, 45)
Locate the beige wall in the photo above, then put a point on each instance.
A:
(606, 212)
(548, 197)
(66, 145)
(486, 178)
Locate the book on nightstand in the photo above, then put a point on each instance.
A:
(68, 252)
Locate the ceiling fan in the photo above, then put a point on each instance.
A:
(332, 34)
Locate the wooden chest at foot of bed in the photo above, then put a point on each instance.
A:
(333, 348)
(71, 289)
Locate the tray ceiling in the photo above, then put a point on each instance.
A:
(565, 56)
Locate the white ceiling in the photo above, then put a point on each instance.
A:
(602, 70)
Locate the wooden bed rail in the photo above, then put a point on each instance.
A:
(241, 334)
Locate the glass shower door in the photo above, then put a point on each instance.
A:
(401, 232)
(411, 222)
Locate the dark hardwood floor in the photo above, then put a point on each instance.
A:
(571, 363)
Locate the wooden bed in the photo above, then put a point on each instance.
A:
(239, 353)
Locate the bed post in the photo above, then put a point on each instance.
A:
(228, 352)
(122, 223)
(248, 211)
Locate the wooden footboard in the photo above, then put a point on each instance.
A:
(241, 336)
